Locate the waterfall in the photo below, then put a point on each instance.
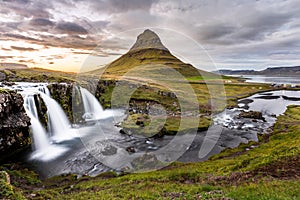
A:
(39, 137)
(43, 149)
(44, 89)
(58, 124)
(30, 106)
(92, 107)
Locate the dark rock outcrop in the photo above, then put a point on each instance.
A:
(148, 39)
(252, 114)
(14, 124)
(62, 93)
(2, 76)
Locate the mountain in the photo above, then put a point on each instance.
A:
(148, 40)
(12, 66)
(271, 71)
(149, 52)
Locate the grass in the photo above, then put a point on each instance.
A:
(3, 91)
(268, 171)
(39, 75)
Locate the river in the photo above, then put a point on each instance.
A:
(98, 146)
(271, 79)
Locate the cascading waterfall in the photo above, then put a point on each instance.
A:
(39, 137)
(92, 107)
(59, 126)
(29, 104)
(43, 149)
(44, 89)
(49, 145)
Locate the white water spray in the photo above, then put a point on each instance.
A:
(59, 126)
(92, 107)
(43, 149)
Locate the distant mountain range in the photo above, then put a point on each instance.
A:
(271, 71)
(12, 66)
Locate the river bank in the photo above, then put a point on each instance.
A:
(269, 170)
(92, 168)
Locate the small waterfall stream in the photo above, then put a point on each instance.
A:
(40, 139)
(43, 149)
(92, 107)
(59, 125)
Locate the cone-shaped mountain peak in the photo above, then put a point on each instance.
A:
(148, 40)
(149, 52)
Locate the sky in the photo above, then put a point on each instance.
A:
(73, 35)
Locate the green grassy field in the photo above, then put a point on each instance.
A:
(269, 171)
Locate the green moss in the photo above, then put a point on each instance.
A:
(143, 124)
(4, 91)
(7, 191)
(274, 190)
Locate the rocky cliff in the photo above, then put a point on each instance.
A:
(148, 40)
(14, 124)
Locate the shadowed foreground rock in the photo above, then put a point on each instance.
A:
(14, 124)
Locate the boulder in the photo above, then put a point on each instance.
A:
(2, 76)
(252, 114)
(14, 124)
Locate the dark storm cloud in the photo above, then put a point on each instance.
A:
(70, 28)
(228, 29)
(23, 48)
(26, 8)
(41, 22)
(212, 32)
(17, 37)
(251, 27)
(119, 6)
(70, 41)
(257, 26)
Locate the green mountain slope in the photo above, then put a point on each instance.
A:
(148, 51)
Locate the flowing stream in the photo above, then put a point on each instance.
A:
(97, 146)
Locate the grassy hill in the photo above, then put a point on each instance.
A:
(150, 58)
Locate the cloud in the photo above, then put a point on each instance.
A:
(233, 32)
(5, 49)
(6, 57)
(17, 37)
(70, 28)
(26, 8)
(120, 6)
(41, 22)
(72, 41)
(213, 32)
(23, 48)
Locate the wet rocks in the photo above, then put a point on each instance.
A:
(291, 98)
(130, 149)
(252, 114)
(14, 124)
(2, 76)
(268, 97)
(109, 150)
(145, 162)
(167, 94)
(62, 93)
